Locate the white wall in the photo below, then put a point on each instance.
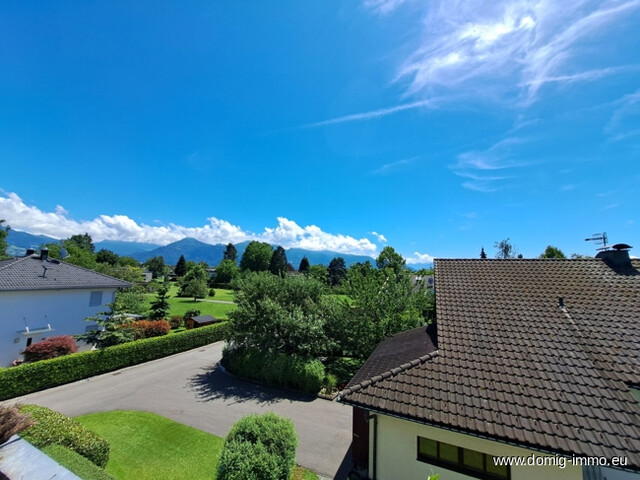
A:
(64, 310)
(397, 452)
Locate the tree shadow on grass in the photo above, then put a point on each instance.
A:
(213, 383)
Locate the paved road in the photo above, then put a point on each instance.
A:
(189, 388)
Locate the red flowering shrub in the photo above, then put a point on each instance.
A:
(51, 347)
(149, 328)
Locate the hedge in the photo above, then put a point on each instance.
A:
(53, 428)
(76, 463)
(277, 369)
(32, 377)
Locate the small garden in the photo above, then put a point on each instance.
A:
(124, 445)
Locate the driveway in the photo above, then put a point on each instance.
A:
(189, 388)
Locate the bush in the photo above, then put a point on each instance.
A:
(299, 373)
(259, 446)
(32, 377)
(12, 422)
(77, 464)
(212, 292)
(50, 348)
(191, 313)
(149, 328)
(54, 428)
(176, 321)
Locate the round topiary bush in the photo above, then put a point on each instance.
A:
(259, 446)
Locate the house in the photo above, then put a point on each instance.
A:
(534, 360)
(42, 297)
(200, 321)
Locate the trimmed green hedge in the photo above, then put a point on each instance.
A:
(76, 463)
(277, 369)
(32, 377)
(54, 428)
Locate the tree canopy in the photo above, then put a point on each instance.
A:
(304, 265)
(256, 257)
(278, 263)
(505, 249)
(230, 253)
(227, 271)
(106, 256)
(4, 232)
(336, 271)
(389, 258)
(84, 241)
(482, 253)
(194, 282)
(552, 252)
(156, 266)
(181, 267)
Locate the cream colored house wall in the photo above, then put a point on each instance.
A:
(397, 451)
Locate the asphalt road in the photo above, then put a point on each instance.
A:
(189, 388)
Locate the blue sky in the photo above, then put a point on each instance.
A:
(434, 127)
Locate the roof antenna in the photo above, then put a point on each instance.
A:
(44, 273)
(600, 239)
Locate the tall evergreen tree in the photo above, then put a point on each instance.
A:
(337, 271)
(482, 253)
(278, 264)
(181, 267)
(4, 232)
(230, 253)
(160, 306)
(304, 265)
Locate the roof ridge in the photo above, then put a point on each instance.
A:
(387, 374)
(11, 261)
(89, 270)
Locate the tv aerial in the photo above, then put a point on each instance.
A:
(600, 239)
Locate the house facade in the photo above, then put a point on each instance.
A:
(535, 363)
(42, 297)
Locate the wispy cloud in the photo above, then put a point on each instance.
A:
(479, 167)
(287, 233)
(391, 166)
(624, 121)
(513, 46)
(381, 238)
(382, 112)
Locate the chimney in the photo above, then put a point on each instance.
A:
(44, 254)
(617, 257)
(30, 251)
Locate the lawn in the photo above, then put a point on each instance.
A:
(180, 306)
(147, 446)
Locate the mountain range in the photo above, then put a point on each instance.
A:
(191, 248)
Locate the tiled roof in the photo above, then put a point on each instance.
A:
(537, 353)
(28, 273)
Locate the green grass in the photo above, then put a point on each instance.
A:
(148, 446)
(180, 306)
(76, 463)
(300, 473)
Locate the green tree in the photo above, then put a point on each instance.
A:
(106, 256)
(552, 252)
(505, 249)
(156, 266)
(278, 263)
(4, 233)
(84, 241)
(389, 258)
(160, 306)
(226, 272)
(81, 257)
(128, 262)
(256, 257)
(304, 265)
(281, 315)
(181, 267)
(230, 253)
(336, 271)
(194, 283)
(109, 329)
(319, 273)
(482, 253)
(130, 300)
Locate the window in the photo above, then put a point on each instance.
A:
(469, 462)
(96, 299)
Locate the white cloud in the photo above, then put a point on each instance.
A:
(391, 166)
(624, 121)
(382, 112)
(381, 238)
(419, 258)
(287, 233)
(513, 46)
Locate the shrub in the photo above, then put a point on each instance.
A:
(299, 373)
(191, 313)
(54, 428)
(31, 377)
(259, 446)
(12, 422)
(149, 328)
(77, 464)
(212, 292)
(51, 347)
(176, 321)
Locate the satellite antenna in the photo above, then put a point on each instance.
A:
(63, 253)
(600, 239)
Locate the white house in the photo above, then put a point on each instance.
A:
(42, 297)
(534, 362)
